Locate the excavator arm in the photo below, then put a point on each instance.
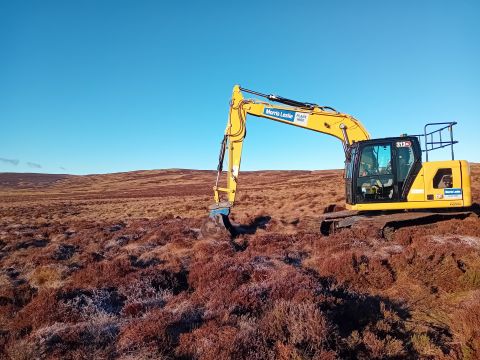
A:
(306, 115)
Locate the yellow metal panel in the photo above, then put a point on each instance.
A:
(431, 169)
(406, 205)
(417, 191)
(326, 122)
(466, 183)
(424, 180)
(460, 177)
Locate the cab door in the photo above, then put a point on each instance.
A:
(375, 173)
(408, 162)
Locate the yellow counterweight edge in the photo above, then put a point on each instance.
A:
(407, 205)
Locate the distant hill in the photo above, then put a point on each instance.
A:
(29, 180)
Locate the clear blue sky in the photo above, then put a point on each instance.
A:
(106, 86)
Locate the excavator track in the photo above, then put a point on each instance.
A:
(386, 222)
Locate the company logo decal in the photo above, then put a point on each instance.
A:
(454, 193)
(296, 117)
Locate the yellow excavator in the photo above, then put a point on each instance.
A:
(386, 182)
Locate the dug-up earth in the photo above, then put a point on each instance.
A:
(113, 267)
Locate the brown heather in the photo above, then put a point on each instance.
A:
(113, 267)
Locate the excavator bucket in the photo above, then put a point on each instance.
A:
(216, 227)
(218, 224)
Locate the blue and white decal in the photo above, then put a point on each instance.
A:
(453, 193)
(287, 115)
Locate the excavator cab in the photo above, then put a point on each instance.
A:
(388, 174)
(381, 170)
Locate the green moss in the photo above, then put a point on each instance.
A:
(421, 343)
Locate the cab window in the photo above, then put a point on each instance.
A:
(376, 160)
(349, 164)
(405, 160)
(443, 179)
(375, 177)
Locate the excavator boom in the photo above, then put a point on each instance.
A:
(306, 115)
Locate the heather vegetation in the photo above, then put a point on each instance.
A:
(113, 266)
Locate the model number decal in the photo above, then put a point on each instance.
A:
(404, 143)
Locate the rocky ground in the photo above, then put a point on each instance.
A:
(112, 266)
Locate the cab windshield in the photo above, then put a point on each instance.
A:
(375, 177)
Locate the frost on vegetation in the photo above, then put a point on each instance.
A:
(472, 241)
(141, 296)
(96, 332)
(92, 304)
